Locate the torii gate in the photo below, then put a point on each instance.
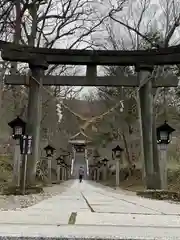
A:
(143, 60)
(79, 144)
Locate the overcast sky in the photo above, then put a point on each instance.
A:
(153, 18)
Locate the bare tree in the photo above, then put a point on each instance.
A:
(143, 24)
(63, 24)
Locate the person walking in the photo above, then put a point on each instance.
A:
(81, 174)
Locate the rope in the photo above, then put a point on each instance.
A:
(165, 105)
(88, 120)
(101, 116)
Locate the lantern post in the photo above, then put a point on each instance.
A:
(96, 157)
(94, 172)
(61, 167)
(65, 171)
(49, 154)
(58, 162)
(99, 165)
(65, 168)
(68, 171)
(18, 129)
(116, 154)
(105, 161)
(90, 171)
(164, 137)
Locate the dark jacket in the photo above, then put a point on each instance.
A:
(81, 171)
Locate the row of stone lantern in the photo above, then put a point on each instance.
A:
(96, 169)
(24, 144)
(101, 167)
(164, 137)
(163, 133)
(63, 169)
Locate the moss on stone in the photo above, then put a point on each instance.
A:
(13, 190)
(160, 195)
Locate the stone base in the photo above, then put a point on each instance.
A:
(151, 181)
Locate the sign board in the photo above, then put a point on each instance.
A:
(26, 144)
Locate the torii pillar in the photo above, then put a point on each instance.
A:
(37, 67)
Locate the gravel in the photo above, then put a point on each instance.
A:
(12, 202)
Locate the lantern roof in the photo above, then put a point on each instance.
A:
(99, 164)
(64, 154)
(62, 150)
(165, 127)
(117, 148)
(104, 160)
(17, 122)
(49, 147)
(60, 158)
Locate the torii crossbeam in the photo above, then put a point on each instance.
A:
(129, 81)
(161, 56)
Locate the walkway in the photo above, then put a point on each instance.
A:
(90, 210)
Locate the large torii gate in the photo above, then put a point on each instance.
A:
(143, 60)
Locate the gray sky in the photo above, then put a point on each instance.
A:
(154, 17)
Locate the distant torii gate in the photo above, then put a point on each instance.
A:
(143, 60)
(79, 144)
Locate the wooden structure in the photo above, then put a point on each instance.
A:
(160, 56)
(143, 60)
(126, 81)
(79, 143)
(80, 139)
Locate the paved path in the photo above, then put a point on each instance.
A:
(91, 210)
